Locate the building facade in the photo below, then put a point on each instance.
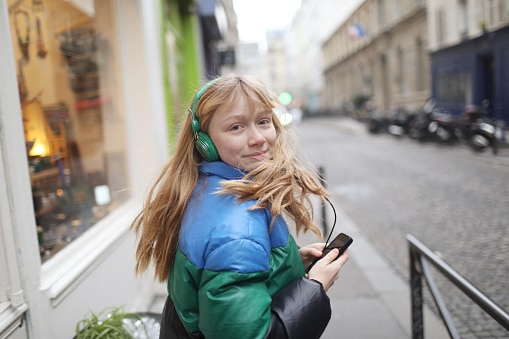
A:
(379, 53)
(90, 94)
(250, 59)
(312, 25)
(274, 68)
(469, 51)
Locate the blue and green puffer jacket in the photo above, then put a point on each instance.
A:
(232, 277)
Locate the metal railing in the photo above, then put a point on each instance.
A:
(420, 256)
(321, 172)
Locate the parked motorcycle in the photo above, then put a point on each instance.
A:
(444, 128)
(401, 123)
(480, 131)
(377, 121)
(419, 128)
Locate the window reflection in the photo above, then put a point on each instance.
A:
(74, 125)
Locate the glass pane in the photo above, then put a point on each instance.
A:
(70, 88)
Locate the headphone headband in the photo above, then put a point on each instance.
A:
(198, 95)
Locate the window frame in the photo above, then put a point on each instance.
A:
(12, 304)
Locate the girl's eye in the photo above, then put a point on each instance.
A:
(265, 121)
(235, 127)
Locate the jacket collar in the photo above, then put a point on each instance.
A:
(221, 169)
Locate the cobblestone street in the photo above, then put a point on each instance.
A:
(451, 199)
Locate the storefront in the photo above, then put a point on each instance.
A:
(472, 71)
(88, 97)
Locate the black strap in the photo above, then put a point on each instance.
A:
(171, 325)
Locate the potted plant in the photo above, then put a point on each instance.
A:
(116, 323)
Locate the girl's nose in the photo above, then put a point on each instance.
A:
(255, 137)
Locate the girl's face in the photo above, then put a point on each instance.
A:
(244, 138)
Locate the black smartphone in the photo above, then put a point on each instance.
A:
(342, 241)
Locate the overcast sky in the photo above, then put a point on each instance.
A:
(254, 17)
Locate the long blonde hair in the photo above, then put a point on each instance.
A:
(282, 184)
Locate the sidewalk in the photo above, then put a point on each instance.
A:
(369, 300)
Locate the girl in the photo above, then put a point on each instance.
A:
(213, 224)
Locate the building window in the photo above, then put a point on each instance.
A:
(492, 11)
(74, 124)
(440, 26)
(505, 5)
(503, 11)
(420, 55)
(381, 13)
(398, 7)
(454, 88)
(488, 13)
(401, 72)
(463, 19)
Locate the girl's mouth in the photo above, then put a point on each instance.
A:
(257, 155)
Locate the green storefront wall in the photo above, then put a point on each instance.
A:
(180, 54)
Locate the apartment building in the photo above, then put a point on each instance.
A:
(398, 53)
(380, 53)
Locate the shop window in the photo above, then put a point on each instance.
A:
(69, 83)
(454, 88)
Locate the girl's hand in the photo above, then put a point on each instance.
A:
(309, 253)
(326, 270)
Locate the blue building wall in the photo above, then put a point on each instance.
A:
(472, 71)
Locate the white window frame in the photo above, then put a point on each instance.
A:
(12, 304)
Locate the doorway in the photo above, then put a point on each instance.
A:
(486, 88)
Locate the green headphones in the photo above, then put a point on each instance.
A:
(202, 141)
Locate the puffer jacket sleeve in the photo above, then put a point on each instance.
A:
(301, 310)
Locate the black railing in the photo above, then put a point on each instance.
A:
(321, 172)
(419, 268)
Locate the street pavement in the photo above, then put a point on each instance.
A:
(470, 320)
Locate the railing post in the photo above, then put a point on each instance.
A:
(416, 295)
(321, 172)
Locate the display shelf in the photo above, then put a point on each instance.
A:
(49, 173)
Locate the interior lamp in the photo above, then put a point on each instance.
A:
(37, 129)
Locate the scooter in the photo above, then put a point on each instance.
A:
(377, 122)
(401, 122)
(419, 128)
(444, 128)
(480, 131)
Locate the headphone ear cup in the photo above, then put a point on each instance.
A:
(206, 147)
